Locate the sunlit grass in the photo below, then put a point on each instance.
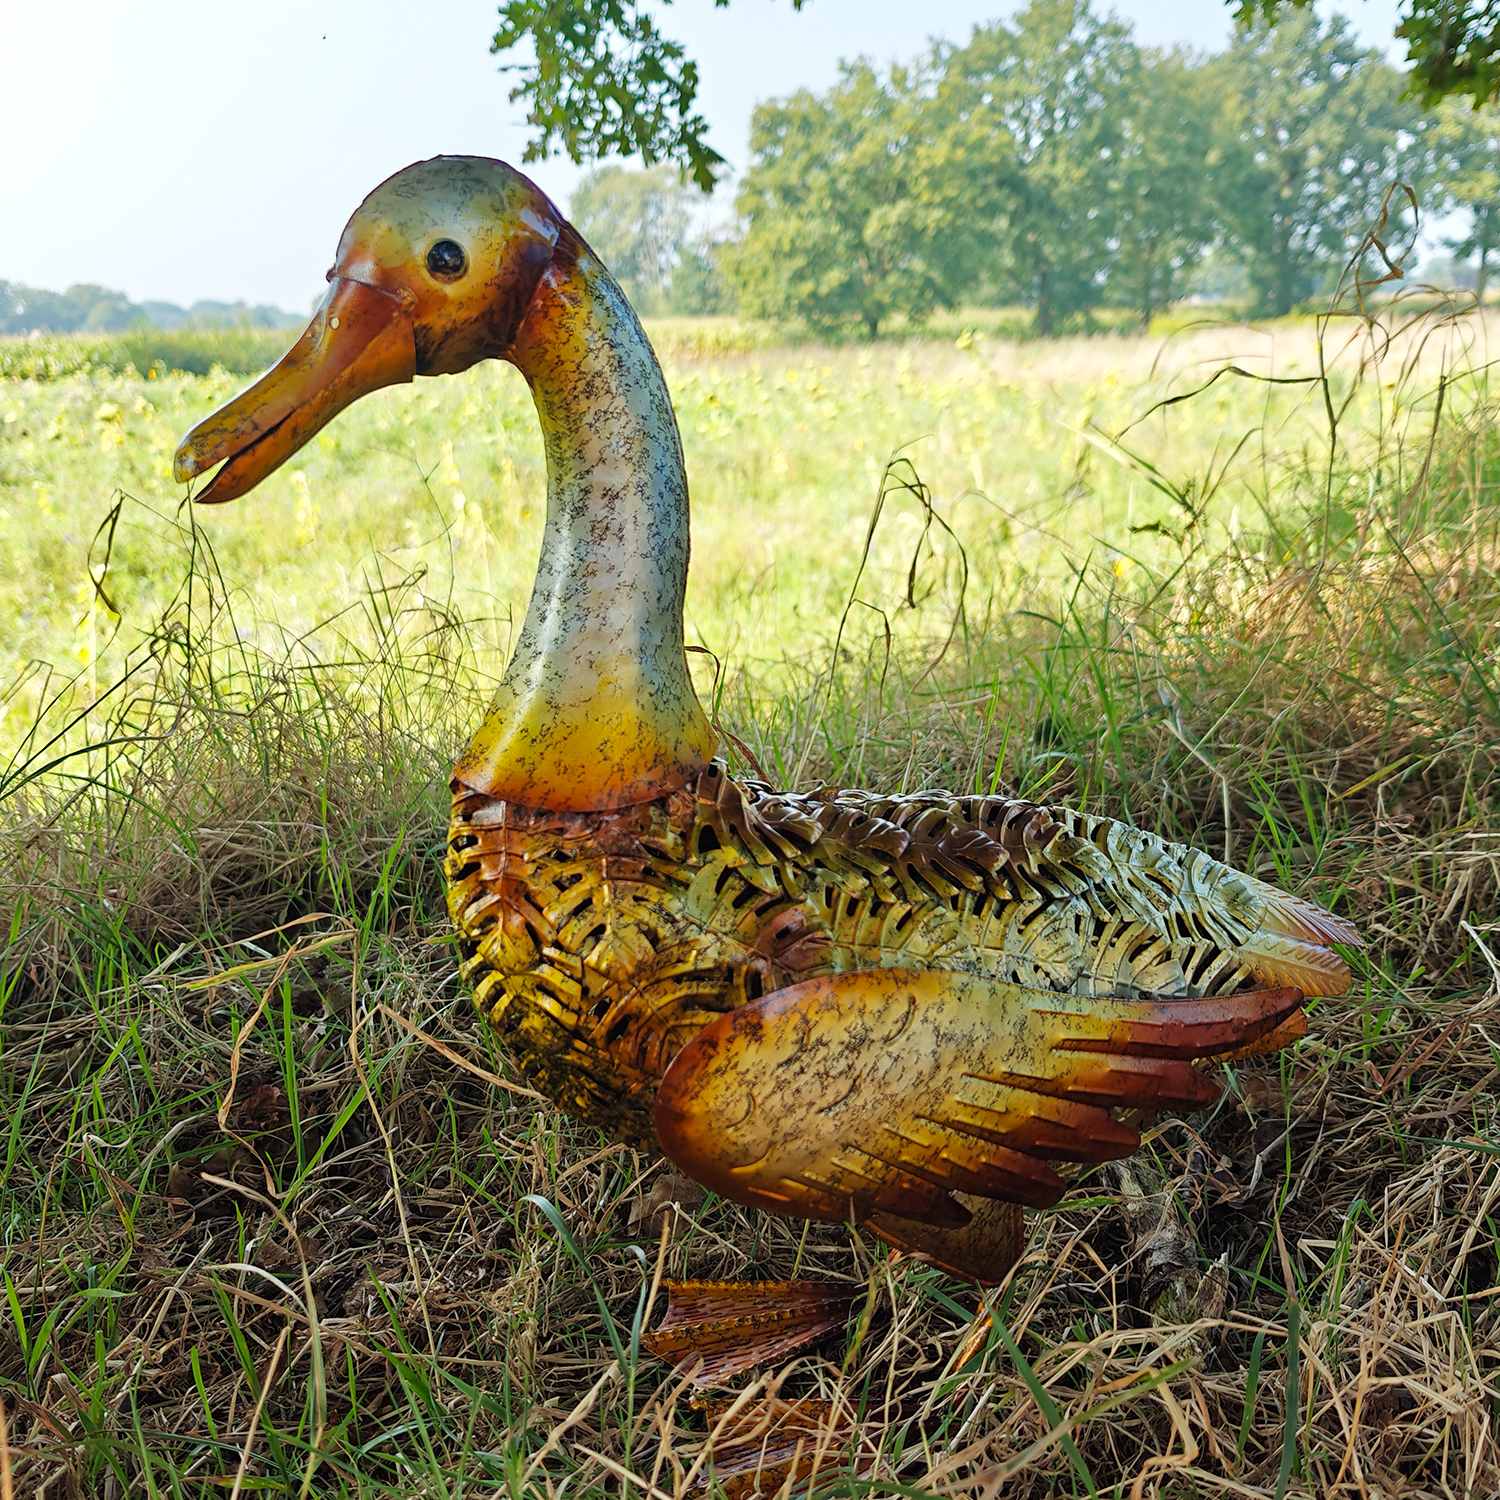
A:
(786, 448)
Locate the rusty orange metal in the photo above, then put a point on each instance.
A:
(360, 339)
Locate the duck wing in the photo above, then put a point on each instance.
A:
(1055, 897)
(890, 1093)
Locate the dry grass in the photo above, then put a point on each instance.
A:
(277, 1221)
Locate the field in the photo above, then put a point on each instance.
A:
(276, 1219)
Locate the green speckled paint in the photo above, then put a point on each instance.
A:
(597, 710)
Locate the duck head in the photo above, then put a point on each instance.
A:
(434, 272)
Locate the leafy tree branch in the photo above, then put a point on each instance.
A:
(604, 80)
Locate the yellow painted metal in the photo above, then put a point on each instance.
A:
(891, 1090)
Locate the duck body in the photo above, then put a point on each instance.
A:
(600, 945)
(909, 1011)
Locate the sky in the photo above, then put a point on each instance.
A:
(186, 149)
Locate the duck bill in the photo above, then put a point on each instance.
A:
(359, 340)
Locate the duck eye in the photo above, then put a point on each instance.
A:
(446, 260)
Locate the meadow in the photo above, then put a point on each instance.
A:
(439, 486)
(277, 1220)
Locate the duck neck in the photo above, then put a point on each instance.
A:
(596, 709)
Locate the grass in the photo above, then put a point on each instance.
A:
(443, 480)
(278, 1220)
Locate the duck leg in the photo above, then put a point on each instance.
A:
(714, 1330)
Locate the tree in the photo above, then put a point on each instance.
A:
(1452, 46)
(1164, 218)
(82, 308)
(639, 222)
(1466, 148)
(698, 285)
(1314, 132)
(100, 309)
(1035, 103)
(604, 81)
(845, 225)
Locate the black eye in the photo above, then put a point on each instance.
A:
(446, 260)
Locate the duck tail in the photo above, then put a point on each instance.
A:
(1294, 944)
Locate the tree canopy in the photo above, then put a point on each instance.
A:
(1037, 104)
(639, 222)
(1452, 46)
(1314, 131)
(602, 78)
(840, 225)
(98, 309)
(1051, 162)
(1167, 152)
(1466, 150)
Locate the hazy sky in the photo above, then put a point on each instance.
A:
(214, 148)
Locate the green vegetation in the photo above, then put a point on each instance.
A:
(1052, 163)
(642, 225)
(842, 228)
(275, 1213)
(1043, 108)
(1169, 223)
(151, 352)
(602, 79)
(444, 480)
(1452, 46)
(98, 309)
(1469, 164)
(1313, 137)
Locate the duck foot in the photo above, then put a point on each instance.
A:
(714, 1330)
(764, 1447)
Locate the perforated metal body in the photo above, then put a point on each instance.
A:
(599, 944)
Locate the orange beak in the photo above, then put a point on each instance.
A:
(359, 340)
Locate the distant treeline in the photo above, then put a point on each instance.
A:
(99, 309)
(1052, 162)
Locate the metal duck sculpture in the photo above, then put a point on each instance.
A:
(906, 1012)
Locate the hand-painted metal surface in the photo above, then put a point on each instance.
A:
(904, 1010)
(961, 988)
(597, 709)
(890, 1090)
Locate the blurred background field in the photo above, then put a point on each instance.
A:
(1052, 461)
